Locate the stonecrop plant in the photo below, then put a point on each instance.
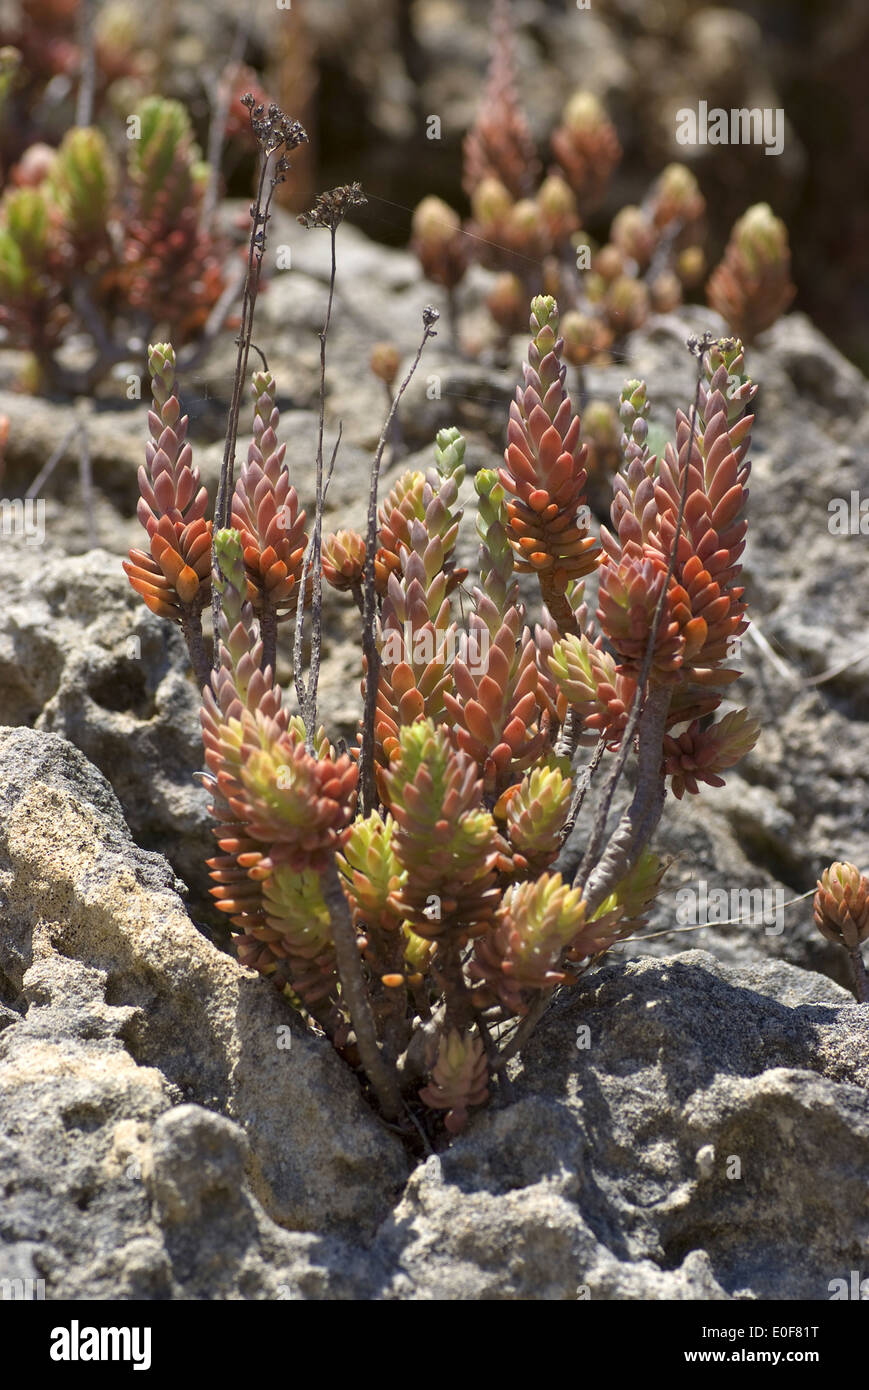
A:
(528, 223)
(405, 894)
(88, 247)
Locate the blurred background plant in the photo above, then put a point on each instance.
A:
(84, 244)
(389, 89)
(529, 222)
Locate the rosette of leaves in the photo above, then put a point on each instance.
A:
(587, 148)
(32, 267)
(428, 497)
(416, 626)
(752, 286)
(700, 605)
(439, 243)
(536, 924)
(534, 812)
(171, 264)
(459, 1078)
(174, 576)
(841, 909)
(590, 685)
(544, 471)
(445, 839)
(499, 145)
(493, 703)
(372, 877)
(83, 186)
(282, 812)
(265, 511)
(344, 561)
(419, 527)
(701, 755)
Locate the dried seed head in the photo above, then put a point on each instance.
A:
(332, 207)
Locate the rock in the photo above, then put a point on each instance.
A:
(588, 1184)
(125, 1015)
(81, 656)
(155, 1142)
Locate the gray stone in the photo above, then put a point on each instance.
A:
(588, 1183)
(126, 1012)
(676, 1128)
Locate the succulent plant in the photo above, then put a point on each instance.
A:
(265, 511)
(752, 287)
(500, 144)
(841, 908)
(459, 1079)
(543, 470)
(587, 148)
(168, 259)
(174, 576)
(424, 929)
(530, 225)
(436, 237)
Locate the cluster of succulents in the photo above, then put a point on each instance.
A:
(88, 245)
(41, 63)
(530, 225)
(422, 933)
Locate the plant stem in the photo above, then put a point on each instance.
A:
(191, 626)
(524, 1031)
(382, 1077)
(861, 979)
(317, 538)
(592, 854)
(256, 249)
(640, 819)
(582, 785)
(268, 631)
(448, 968)
(559, 607)
(367, 783)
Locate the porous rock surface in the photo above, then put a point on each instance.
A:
(677, 1128)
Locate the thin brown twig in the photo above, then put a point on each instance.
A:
(219, 97)
(367, 785)
(276, 135)
(700, 926)
(317, 537)
(583, 783)
(259, 218)
(308, 707)
(49, 466)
